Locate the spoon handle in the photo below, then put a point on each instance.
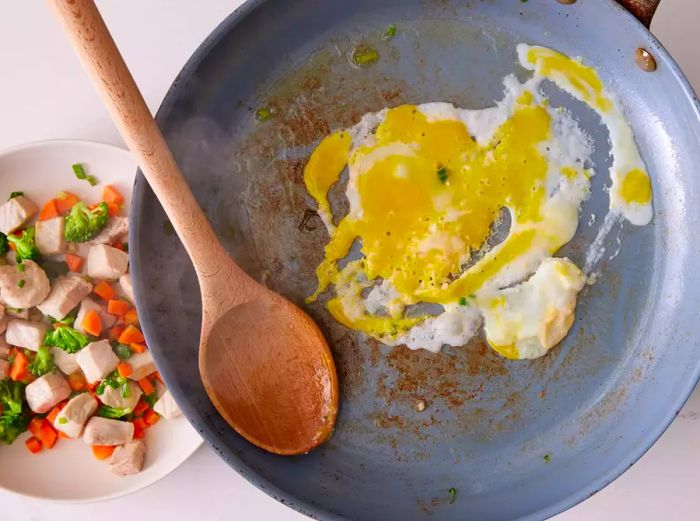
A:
(94, 45)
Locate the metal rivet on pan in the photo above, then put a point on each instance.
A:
(645, 60)
(567, 2)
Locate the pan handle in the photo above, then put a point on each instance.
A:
(643, 9)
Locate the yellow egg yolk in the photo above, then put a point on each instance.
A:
(636, 187)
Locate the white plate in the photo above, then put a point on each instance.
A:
(69, 472)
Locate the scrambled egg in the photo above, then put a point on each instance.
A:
(428, 187)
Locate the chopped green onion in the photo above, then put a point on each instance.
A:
(20, 267)
(442, 174)
(547, 458)
(453, 494)
(63, 420)
(125, 392)
(15, 194)
(92, 180)
(20, 283)
(151, 399)
(263, 114)
(390, 32)
(462, 301)
(80, 173)
(123, 351)
(363, 56)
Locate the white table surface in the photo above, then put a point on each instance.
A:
(44, 94)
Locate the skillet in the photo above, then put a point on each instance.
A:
(514, 440)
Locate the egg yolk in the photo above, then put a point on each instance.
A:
(636, 187)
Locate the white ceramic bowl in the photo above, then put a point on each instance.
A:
(69, 472)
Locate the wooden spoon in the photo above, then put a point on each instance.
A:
(265, 364)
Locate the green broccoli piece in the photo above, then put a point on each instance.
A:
(83, 224)
(25, 246)
(67, 338)
(43, 362)
(4, 245)
(14, 418)
(114, 380)
(114, 413)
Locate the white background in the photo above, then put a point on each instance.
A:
(44, 95)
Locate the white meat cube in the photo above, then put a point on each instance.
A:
(104, 431)
(49, 236)
(128, 458)
(116, 227)
(4, 348)
(15, 213)
(112, 396)
(142, 365)
(46, 391)
(23, 285)
(166, 406)
(106, 262)
(23, 333)
(66, 362)
(3, 324)
(126, 287)
(89, 304)
(4, 369)
(97, 360)
(66, 293)
(72, 418)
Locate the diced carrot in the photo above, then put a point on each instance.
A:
(91, 386)
(49, 211)
(137, 348)
(102, 452)
(117, 307)
(77, 381)
(124, 369)
(157, 376)
(146, 385)
(51, 417)
(151, 417)
(47, 435)
(140, 408)
(113, 209)
(111, 195)
(33, 445)
(92, 323)
(18, 371)
(74, 262)
(65, 201)
(131, 335)
(118, 244)
(140, 427)
(131, 318)
(14, 351)
(63, 435)
(115, 332)
(105, 290)
(35, 425)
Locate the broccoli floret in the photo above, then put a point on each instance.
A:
(4, 246)
(14, 418)
(67, 338)
(43, 362)
(114, 380)
(114, 413)
(25, 246)
(82, 224)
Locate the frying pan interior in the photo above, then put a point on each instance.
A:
(516, 440)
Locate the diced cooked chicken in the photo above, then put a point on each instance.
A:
(116, 227)
(128, 458)
(97, 360)
(46, 391)
(4, 368)
(106, 262)
(23, 285)
(3, 324)
(15, 213)
(166, 406)
(4, 348)
(66, 362)
(142, 365)
(126, 287)
(49, 236)
(113, 396)
(89, 304)
(66, 293)
(23, 333)
(104, 431)
(71, 420)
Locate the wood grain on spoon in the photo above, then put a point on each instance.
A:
(265, 364)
